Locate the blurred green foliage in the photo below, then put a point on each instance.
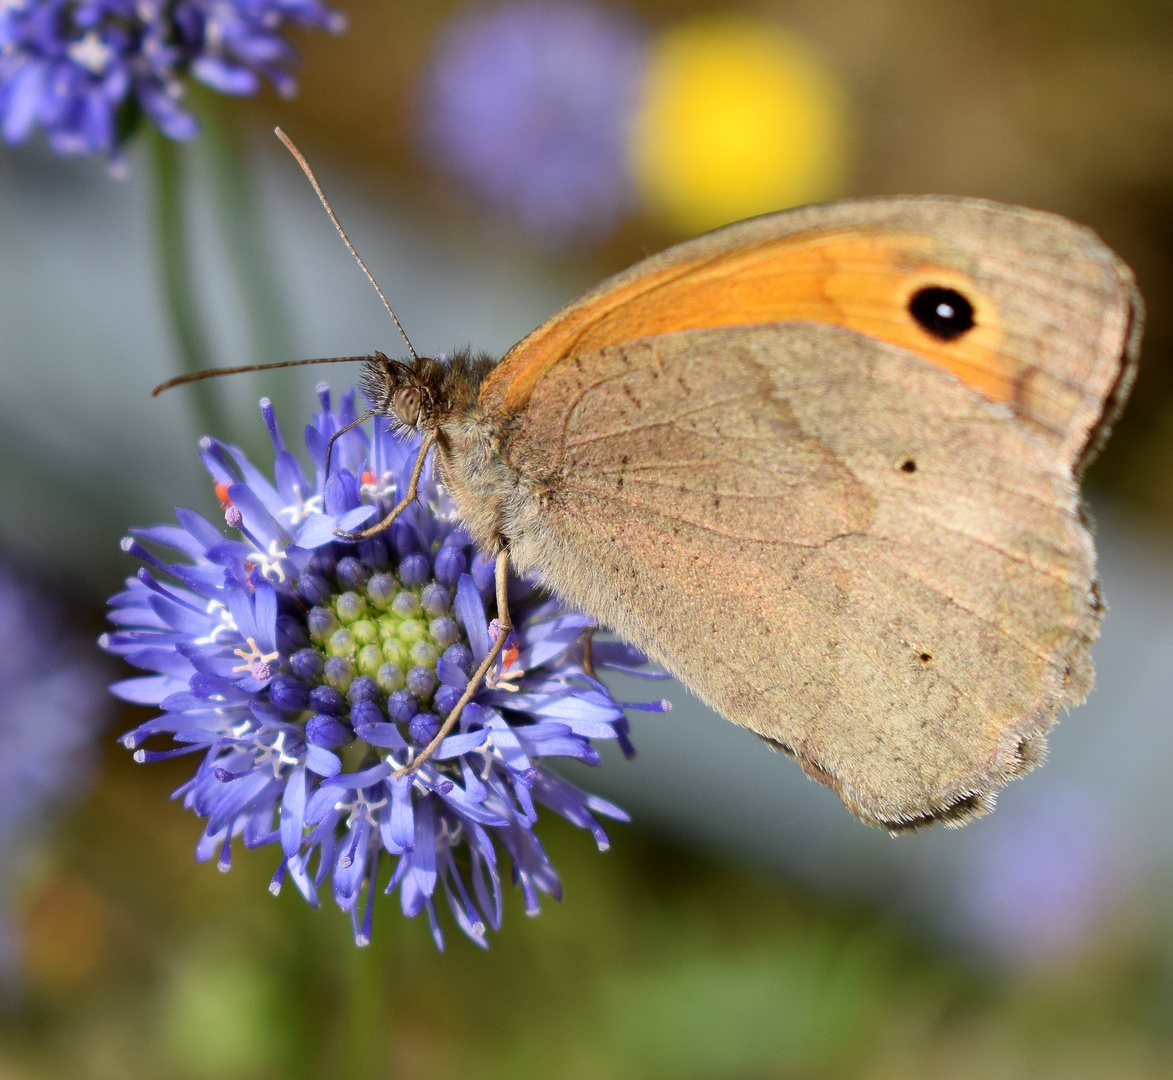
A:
(658, 963)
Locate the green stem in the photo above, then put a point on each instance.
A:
(224, 149)
(365, 1050)
(172, 251)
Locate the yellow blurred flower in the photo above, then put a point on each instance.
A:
(738, 117)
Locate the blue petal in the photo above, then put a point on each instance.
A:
(470, 612)
(293, 811)
(322, 761)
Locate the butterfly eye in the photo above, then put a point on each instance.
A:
(406, 405)
(944, 313)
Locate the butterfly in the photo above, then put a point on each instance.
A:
(823, 465)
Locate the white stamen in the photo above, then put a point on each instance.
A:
(270, 563)
(360, 808)
(383, 488)
(91, 52)
(300, 510)
(227, 624)
(274, 754)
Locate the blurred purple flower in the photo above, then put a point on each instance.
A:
(1039, 883)
(530, 106)
(52, 708)
(306, 669)
(81, 68)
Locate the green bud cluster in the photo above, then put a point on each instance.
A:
(388, 631)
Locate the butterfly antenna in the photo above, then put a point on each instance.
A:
(212, 373)
(305, 168)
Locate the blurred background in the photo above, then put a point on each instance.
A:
(490, 161)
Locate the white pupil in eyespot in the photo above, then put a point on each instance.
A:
(945, 311)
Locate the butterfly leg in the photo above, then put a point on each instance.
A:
(505, 625)
(408, 496)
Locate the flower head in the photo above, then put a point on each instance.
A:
(51, 710)
(79, 68)
(307, 670)
(530, 106)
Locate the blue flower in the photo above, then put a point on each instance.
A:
(530, 106)
(306, 670)
(79, 68)
(52, 708)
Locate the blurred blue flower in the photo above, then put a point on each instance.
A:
(52, 708)
(530, 106)
(1040, 881)
(80, 68)
(306, 670)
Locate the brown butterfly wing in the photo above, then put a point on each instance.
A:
(872, 561)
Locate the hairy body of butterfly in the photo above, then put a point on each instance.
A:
(823, 466)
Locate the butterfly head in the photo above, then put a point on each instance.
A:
(422, 393)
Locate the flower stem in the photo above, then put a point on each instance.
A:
(174, 260)
(223, 146)
(366, 1049)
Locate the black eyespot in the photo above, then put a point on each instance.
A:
(925, 657)
(909, 466)
(944, 313)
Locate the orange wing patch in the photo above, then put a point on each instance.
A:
(860, 281)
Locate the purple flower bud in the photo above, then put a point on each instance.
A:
(350, 606)
(381, 589)
(364, 688)
(352, 574)
(339, 672)
(444, 631)
(365, 713)
(450, 564)
(413, 570)
(325, 699)
(423, 727)
(445, 698)
(484, 571)
(314, 589)
(402, 538)
(421, 681)
(436, 599)
(307, 664)
(291, 634)
(402, 706)
(327, 731)
(320, 621)
(373, 553)
(289, 694)
(323, 561)
(461, 656)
